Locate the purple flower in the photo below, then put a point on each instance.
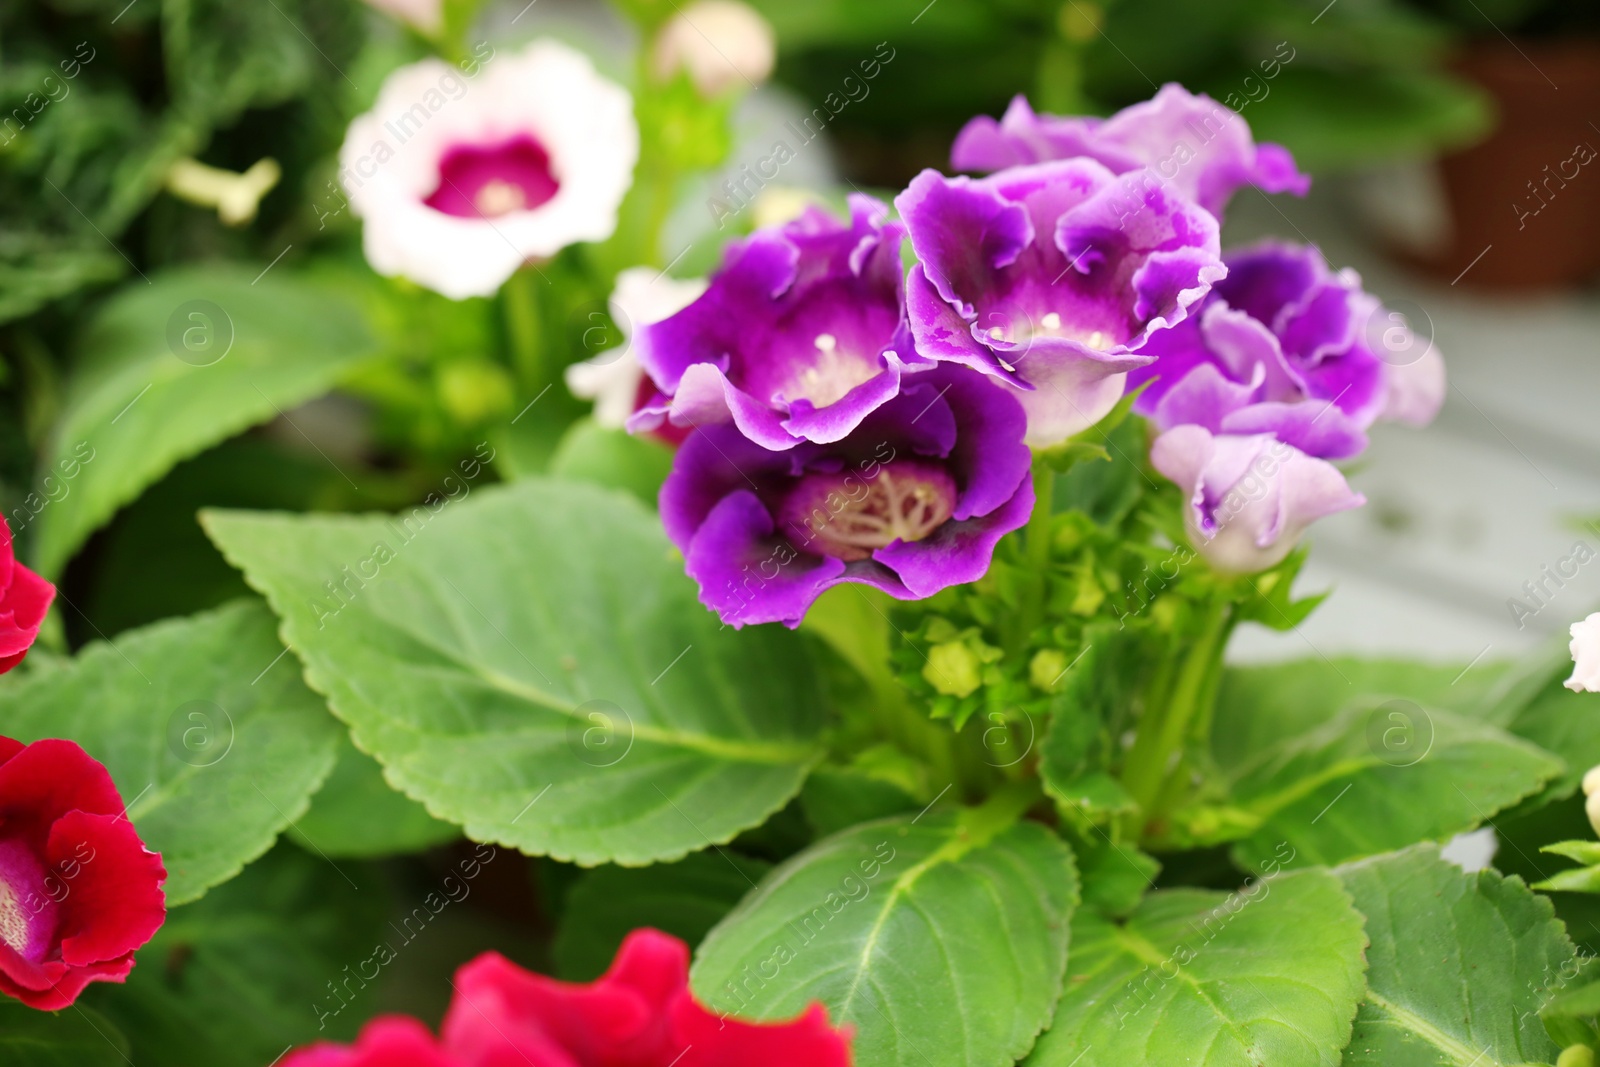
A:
(1052, 278)
(1281, 346)
(1203, 149)
(912, 501)
(1249, 497)
(799, 336)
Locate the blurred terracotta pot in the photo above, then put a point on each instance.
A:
(1530, 194)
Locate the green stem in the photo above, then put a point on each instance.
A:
(1040, 527)
(519, 301)
(1166, 725)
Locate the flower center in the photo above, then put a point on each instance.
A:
(847, 515)
(487, 181)
(830, 375)
(27, 908)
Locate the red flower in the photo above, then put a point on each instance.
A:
(79, 892)
(24, 599)
(640, 1013)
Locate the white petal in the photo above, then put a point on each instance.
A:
(1585, 648)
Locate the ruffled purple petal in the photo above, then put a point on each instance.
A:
(962, 231)
(749, 574)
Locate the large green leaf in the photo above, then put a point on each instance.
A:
(685, 899)
(284, 955)
(356, 813)
(531, 663)
(171, 368)
(1532, 703)
(591, 453)
(77, 1037)
(205, 726)
(1268, 975)
(941, 940)
(1351, 757)
(1458, 966)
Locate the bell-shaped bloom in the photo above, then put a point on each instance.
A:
(1248, 498)
(721, 44)
(79, 892)
(640, 1013)
(613, 379)
(461, 180)
(1052, 278)
(1187, 141)
(24, 601)
(1279, 346)
(911, 502)
(1585, 648)
(800, 334)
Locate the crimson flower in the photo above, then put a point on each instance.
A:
(640, 1013)
(79, 892)
(24, 599)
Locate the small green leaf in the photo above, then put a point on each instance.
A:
(941, 940)
(531, 663)
(685, 899)
(1458, 965)
(1378, 778)
(1587, 852)
(358, 814)
(212, 738)
(1268, 975)
(77, 1037)
(171, 368)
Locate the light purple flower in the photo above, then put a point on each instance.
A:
(1248, 497)
(800, 335)
(1202, 148)
(1282, 346)
(912, 501)
(1051, 278)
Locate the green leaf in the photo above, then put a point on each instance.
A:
(1094, 707)
(590, 453)
(77, 1037)
(531, 663)
(836, 798)
(685, 899)
(1531, 702)
(1258, 707)
(1268, 975)
(171, 368)
(1458, 965)
(1379, 778)
(356, 813)
(941, 941)
(238, 978)
(206, 728)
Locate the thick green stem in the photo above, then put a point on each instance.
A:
(519, 301)
(1166, 725)
(1040, 526)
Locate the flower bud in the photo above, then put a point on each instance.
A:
(1591, 782)
(1046, 668)
(953, 669)
(425, 15)
(721, 44)
(1591, 808)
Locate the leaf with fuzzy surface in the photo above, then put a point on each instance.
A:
(210, 735)
(531, 663)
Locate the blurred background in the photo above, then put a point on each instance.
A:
(1450, 142)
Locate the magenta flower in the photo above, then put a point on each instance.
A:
(1249, 497)
(800, 335)
(912, 501)
(1280, 346)
(1191, 143)
(1052, 278)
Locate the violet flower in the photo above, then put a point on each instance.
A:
(1202, 148)
(1052, 278)
(800, 335)
(1280, 346)
(1248, 497)
(912, 501)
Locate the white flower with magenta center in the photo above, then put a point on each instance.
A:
(462, 181)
